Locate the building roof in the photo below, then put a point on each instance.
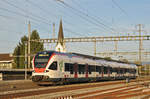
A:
(6, 57)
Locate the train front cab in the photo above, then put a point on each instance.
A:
(45, 66)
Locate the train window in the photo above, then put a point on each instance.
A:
(118, 70)
(98, 69)
(53, 66)
(105, 70)
(101, 69)
(81, 68)
(93, 68)
(115, 70)
(130, 70)
(121, 70)
(89, 69)
(71, 68)
(126, 70)
(41, 59)
(67, 65)
(134, 71)
(110, 70)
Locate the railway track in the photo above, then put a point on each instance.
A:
(100, 90)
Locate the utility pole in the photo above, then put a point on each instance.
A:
(29, 34)
(95, 47)
(116, 47)
(140, 42)
(25, 61)
(53, 30)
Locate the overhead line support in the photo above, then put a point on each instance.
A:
(97, 39)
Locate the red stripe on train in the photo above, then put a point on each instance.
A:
(76, 69)
(86, 75)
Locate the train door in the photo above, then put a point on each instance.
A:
(123, 72)
(102, 68)
(75, 70)
(119, 72)
(108, 71)
(86, 70)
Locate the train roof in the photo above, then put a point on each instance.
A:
(51, 52)
(97, 58)
(86, 56)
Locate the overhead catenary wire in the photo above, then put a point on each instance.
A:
(69, 23)
(19, 8)
(80, 15)
(34, 17)
(85, 10)
(117, 5)
(44, 10)
(23, 15)
(96, 17)
(34, 4)
(70, 31)
(74, 1)
(86, 17)
(18, 21)
(122, 10)
(40, 8)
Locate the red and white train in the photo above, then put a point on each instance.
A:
(57, 67)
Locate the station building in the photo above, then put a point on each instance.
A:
(6, 61)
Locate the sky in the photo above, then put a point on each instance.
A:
(81, 18)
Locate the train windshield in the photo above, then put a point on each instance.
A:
(41, 59)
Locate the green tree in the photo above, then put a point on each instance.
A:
(16, 58)
(36, 46)
(19, 51)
